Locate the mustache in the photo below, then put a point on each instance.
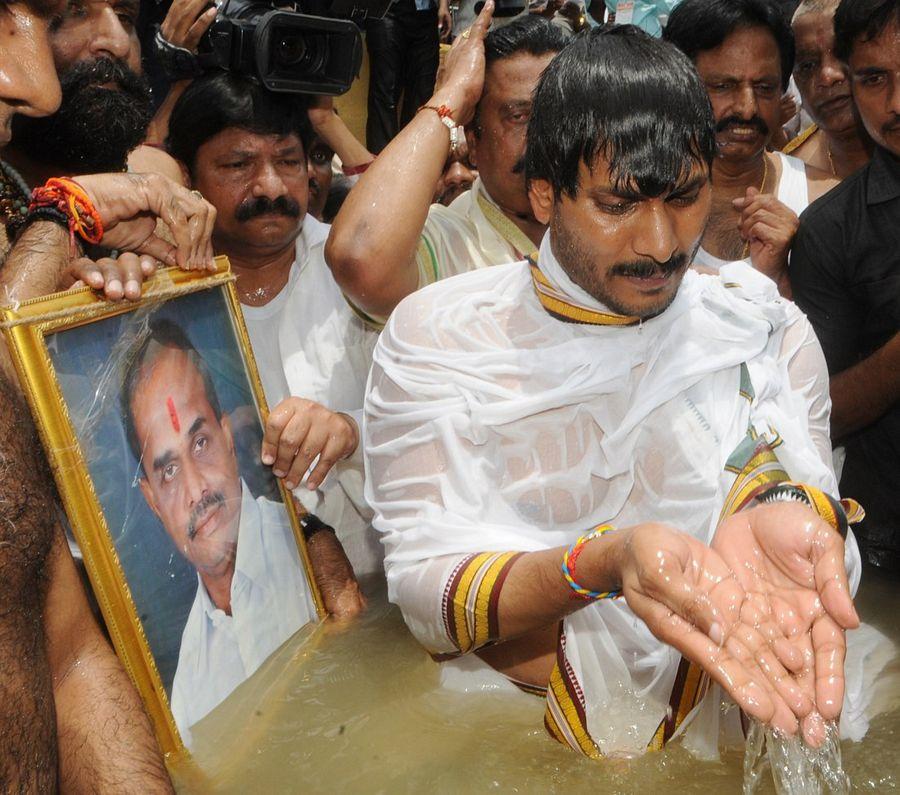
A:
(212, 500)
(736, 121)
(98, 71)
(263, 205)
(646, 269)
(891, 126)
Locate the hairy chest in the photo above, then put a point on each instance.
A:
(26, 502)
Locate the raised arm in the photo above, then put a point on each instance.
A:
(371, 248)
(106, 743)
(331, 128)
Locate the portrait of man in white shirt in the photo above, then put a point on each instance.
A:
(252, 592)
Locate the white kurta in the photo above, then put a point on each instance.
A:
(309, 343)
(461, 238)
(492, 426)
(270, 601)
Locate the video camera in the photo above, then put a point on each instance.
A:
(305, 47)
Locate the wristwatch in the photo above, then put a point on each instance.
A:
(177, 62)
(312, 524)
(823, 504)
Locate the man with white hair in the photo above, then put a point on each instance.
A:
(836, 142)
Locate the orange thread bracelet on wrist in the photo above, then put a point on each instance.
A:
(70, 198)
(568, 566)
(443, 112)
(446, 116)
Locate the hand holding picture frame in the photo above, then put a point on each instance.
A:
(151, 417)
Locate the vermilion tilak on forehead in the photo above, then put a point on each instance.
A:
(173, 414)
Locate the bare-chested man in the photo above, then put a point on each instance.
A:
(71, 719)
(97, 54)
(744, 53)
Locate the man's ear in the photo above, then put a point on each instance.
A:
(148, 496)
(542, 198)
(472, 143)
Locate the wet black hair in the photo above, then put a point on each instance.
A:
(861, 18)
(219, 100)
(622, 94)
(530, 34)
(162, 334)
(696, 26)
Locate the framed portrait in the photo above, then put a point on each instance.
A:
(151, 414)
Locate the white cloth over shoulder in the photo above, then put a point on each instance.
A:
(793, 192)
(309, 343)
(270, 601)
(492, 426)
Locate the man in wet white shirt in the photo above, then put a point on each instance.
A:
(536, 432)
(252, 593)
(245, 149)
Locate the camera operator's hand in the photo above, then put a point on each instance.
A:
(463, 72)
(186, 22)
(129, 204)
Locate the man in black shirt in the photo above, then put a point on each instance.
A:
(845, 271)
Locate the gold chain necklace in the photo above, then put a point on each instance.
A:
(830, 159)
(762, 185)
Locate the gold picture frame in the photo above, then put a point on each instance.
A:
(28, 327)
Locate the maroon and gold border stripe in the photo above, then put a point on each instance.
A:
(691, 684)
(564, 717)
(472, 596)
(754, 472)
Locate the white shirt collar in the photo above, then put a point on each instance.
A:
(248, 559)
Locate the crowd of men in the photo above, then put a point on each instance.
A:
(583, 366)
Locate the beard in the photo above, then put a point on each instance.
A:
(95, 128)
(577, 261)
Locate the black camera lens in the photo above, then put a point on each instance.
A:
(297, 50)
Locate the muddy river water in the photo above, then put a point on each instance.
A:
(360, 711)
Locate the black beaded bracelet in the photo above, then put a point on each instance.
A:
(16, 226)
